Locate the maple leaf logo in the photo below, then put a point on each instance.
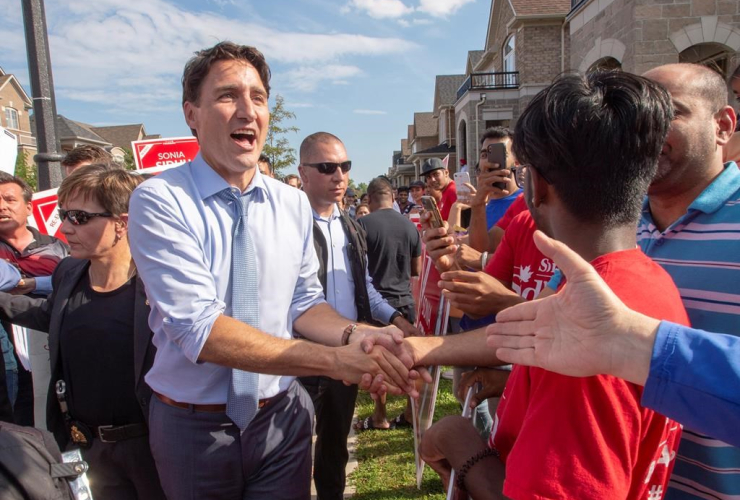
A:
(525, 274)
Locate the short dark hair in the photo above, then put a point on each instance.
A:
(86, 153)
(379, 188)
(403, 189)
(597, 139)
(316, 138)
(497, 133)
(197, 68)
(264, 159)
(6, 178)
(111, 188)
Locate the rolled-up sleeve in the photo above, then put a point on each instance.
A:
(170, 259)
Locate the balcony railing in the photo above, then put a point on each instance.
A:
(26, 140)
(489, 81)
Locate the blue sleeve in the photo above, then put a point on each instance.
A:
(43, 285)
(694, 379)
(179, 285)
(555, 280)
(10, 276)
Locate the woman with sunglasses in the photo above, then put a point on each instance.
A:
(99, 340)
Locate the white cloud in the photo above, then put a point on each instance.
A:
(369, 112)
(308, 78)
(421, 22)
(129, 54)
(404, 23)
(441, 8)
(382, 9)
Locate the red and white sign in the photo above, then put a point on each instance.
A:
(45, 214)
(164, 152)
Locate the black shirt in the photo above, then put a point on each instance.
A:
(97, 348)
(392, 241)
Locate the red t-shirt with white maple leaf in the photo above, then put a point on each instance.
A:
(518, 262)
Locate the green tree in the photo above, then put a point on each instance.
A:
(128, 159)
(25, 171)
(277, 147)
(362, 187)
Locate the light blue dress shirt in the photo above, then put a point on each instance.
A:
(340, 286)
(181, 234)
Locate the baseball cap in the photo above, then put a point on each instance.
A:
(431, 165)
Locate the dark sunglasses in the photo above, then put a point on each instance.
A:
(329, 168)
(80, 217)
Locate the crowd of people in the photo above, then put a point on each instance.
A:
(204, 323)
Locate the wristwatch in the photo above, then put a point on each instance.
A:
(394, 316)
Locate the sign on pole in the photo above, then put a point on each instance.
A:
(8, 151)
(162, 152)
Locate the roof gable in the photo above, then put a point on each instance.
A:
(121, 135)
(425, 124)
(540, 7)
(68, 129)
(6, 79)
(445, 90)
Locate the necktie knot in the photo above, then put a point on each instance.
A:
(241, 201)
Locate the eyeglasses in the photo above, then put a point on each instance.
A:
(80, 217)
(329, 168)
(520, 175)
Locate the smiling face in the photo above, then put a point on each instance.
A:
(231, 119)
(98, 237)
(14, 211)
(438, 179)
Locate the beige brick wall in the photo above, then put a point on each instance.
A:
(9, 97)
(538, 52)
(501, 16)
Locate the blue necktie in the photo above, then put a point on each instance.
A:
(241, 403)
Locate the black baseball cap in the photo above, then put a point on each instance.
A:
(431, 165)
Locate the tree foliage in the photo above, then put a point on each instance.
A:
(25, 171)
(277, 147)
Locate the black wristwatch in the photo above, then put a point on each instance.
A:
(394, 316)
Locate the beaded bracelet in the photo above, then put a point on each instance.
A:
(460, 480)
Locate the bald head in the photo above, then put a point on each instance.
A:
(311, 142)
(692, 79)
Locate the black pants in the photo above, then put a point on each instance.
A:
(334, 404)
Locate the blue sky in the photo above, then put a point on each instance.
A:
(356, 68)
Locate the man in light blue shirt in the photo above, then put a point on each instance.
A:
(342, 251)
(181, 227)
(691, 227)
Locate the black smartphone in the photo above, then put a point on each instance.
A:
(497, 154)
(430, 205)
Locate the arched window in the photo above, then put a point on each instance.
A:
(11, 118)
(509, 57)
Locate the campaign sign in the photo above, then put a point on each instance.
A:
(8, 151)
(45, 214)
(160, 152)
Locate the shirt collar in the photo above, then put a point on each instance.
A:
(715, 195)
(210, 183)
(334, 214)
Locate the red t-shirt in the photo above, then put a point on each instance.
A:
(449, 196)
(517, 260)
(517, 206)
(588, 437)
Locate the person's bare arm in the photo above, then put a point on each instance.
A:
(416, 266)
(464, 349)
(495, 235)
(478, 230)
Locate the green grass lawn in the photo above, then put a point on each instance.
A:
(386, 458)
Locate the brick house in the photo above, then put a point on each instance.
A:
(527, 45)
(637, 35)
(15, 108)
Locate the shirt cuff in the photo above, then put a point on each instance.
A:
(660, 364)
(43, 285)
(384, 312)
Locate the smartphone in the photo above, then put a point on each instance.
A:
(430, 205)
(497, 154)
(463, 191)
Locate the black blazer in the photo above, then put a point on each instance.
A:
(47, 314)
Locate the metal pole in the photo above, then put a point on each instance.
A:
(42, 90)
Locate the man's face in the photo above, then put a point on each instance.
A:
(486, 166)
(438, 179)
(403, 197)
(350, 200)
(14, 211)
(416, 192)
(231, 118)
(324, 189)
(691, 142)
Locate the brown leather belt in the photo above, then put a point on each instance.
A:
(205, 408)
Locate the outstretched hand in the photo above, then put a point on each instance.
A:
(582, 330)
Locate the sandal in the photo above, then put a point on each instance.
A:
(400, 422)
(368, 425)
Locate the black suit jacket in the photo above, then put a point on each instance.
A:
(47, 314)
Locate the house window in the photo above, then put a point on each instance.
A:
(11, 118)
(510, 60)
